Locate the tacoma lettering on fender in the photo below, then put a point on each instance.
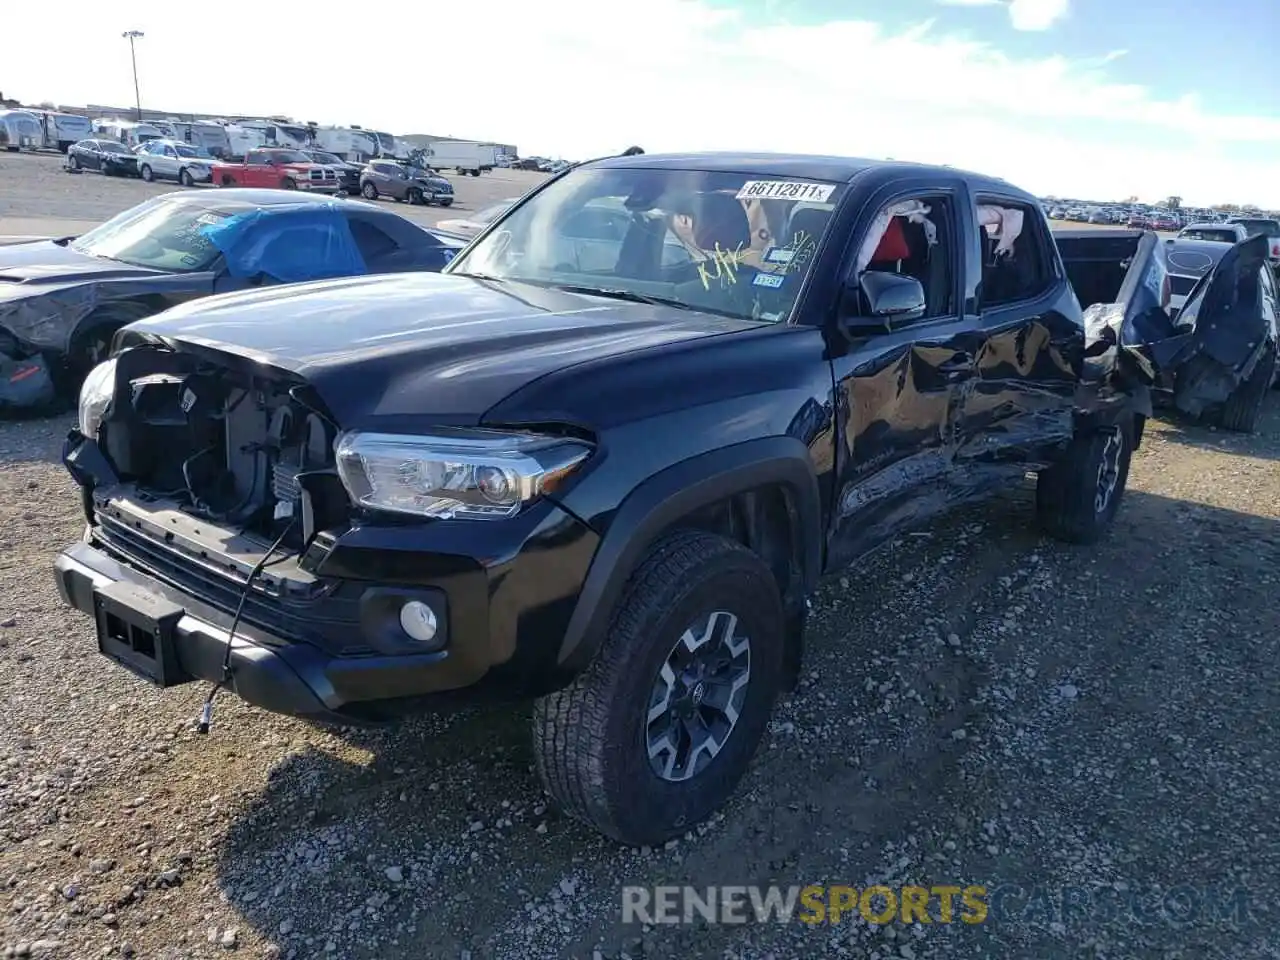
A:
(600, 460)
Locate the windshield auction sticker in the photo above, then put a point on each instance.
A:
(785, 190)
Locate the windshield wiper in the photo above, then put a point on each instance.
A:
(629, 295)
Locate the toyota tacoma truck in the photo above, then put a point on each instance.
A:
(600, 462)
(281, 169)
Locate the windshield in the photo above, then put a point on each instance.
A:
(162, 233)
(184, 151)
(734, 244)
(109, 146)
(319, 157)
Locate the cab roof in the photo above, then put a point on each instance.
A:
(798, 165)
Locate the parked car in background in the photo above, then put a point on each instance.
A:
(401, 181)
(348, 172)
(1163, 221)
(1138, 221)
(1268, 228)
(1192, 255)
(281, 169)
(109, 157)
(1218, 232)
(20, 130)
(174, 160)
(472, 225)
(63, 300)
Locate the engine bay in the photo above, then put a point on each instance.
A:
(239, 449)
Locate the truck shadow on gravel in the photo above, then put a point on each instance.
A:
(434, 837)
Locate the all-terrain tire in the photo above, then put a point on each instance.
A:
(1241, 410)
(589, 739)
(1077, 498)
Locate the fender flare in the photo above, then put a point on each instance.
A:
(677, 491)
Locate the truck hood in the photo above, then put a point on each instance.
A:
(401, 348)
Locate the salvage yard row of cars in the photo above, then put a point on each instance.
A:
(284, 169)
(534, 471)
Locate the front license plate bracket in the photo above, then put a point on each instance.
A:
(137, 629)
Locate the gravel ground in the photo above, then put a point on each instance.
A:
(981, 706)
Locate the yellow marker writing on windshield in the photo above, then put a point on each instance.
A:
(722, 265)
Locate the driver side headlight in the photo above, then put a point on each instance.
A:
(95, 396)
(455, 474)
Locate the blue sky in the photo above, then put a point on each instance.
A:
(1083, 98)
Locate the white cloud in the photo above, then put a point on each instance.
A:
(587, 79)
(1023, 14)
(1036, 14)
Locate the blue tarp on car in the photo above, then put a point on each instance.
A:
(289, 244)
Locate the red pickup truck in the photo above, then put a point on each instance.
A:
(285, 169)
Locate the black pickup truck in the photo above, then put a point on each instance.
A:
(600, 461)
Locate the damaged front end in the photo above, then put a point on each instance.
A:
(176, 450)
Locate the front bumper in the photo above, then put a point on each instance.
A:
(503, 600)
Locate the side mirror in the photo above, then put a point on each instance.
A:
(880, 300)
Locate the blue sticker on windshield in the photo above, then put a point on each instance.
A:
(778, 255)
(770, 280)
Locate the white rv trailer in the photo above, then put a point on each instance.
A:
(349, 143)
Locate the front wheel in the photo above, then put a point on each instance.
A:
(369, 191)
(288, 183)
(145, 172)
(73, 164)
(1077, 498)
(414, 196)
(659, 729)
(185, 178)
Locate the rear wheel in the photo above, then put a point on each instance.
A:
(1077, 498)
(658, 731)
(228, 180)
(1241, 411)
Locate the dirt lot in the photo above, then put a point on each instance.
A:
(981, 706)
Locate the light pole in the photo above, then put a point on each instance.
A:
(132, 35)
